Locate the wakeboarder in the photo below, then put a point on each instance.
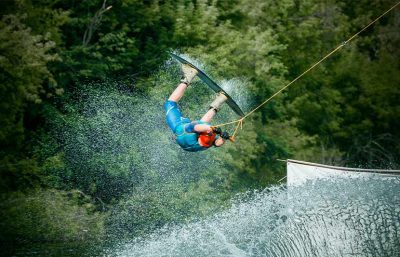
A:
(195, 135)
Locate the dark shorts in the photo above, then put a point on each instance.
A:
(182, 127)
(173, 115)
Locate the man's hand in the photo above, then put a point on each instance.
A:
(225, 135)
(217, 130)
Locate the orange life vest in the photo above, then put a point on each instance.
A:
(206, 139)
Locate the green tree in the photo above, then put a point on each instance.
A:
(49, 216)
(25, 80)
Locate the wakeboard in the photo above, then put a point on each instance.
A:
(217, 89)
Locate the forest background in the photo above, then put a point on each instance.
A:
(65, 176)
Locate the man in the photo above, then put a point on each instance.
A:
(196, 135)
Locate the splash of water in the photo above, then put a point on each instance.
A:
(238, 90)
(117, 146)
(113, 134)
(358, 217)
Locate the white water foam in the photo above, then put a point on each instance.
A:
(358, 217)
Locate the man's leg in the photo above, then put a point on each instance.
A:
(214, 107)
(173, 114)
(188, 75)
(178, 92)
(209, 115)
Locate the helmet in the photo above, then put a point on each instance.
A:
(206, 139)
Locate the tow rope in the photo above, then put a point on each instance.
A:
(239, 122)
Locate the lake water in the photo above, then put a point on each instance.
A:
(341, 217)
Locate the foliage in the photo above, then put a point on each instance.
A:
(49, 215)
(148, 209)
(82, 84)
(334, 102)
(23, 69)
(25, 80)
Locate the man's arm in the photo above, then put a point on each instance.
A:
(202, 128)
